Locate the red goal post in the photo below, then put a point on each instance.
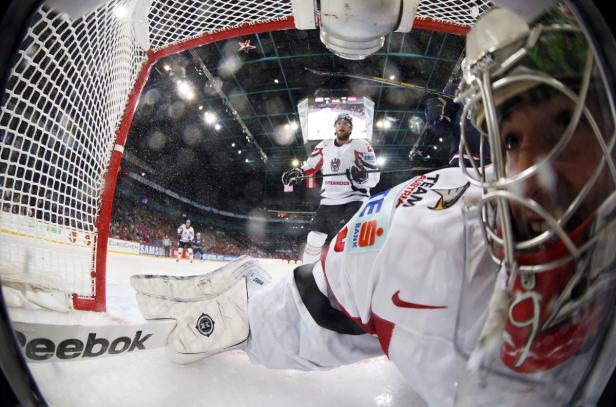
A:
(67, 109)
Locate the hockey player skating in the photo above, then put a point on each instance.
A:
(186, 235)
(341, 196)
(489, 285)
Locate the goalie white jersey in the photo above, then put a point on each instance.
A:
(396, 270)
(330, 158)
(186, 233)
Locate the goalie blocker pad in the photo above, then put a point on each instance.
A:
(211, 310)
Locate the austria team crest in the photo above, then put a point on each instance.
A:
(335, 164)
(205, 325)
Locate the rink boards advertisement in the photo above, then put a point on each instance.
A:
(136, 248)
(29, 227)
(36, 251)
(123, 246)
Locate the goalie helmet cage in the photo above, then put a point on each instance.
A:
(67, 109)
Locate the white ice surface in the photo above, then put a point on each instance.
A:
(147, 378)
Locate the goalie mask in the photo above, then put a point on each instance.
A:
(538, 95)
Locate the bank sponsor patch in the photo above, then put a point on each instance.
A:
(365, 234)
(367, 231)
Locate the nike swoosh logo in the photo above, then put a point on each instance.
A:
(404, 304)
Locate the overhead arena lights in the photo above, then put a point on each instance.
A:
(209, 118)
(185, 90)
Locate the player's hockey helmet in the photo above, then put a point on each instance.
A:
(540, 94)
(346, 117)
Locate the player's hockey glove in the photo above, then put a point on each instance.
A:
(435, 111)
(441, 110)
(293, 176)
(357, 174)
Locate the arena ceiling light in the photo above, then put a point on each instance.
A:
(383, 124)
(121, 11)
(185, 90)
(291, 126)
(228, 105)
(209, 117)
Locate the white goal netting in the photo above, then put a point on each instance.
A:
(66, 111)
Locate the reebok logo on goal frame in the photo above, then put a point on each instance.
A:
(41, 349)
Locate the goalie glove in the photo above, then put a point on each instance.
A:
(293, 176)
(210, 310)
(357, 174)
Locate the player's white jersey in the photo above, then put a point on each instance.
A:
(398, 269)
(186, 234)
(329, 158)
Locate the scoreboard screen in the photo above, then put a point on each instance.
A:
(317, 116)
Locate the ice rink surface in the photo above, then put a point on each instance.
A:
(147, 378)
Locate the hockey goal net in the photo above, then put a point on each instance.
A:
(68, 105)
